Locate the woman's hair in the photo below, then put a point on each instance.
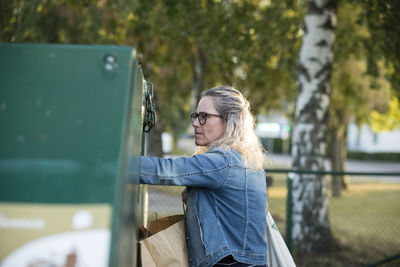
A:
(239, 132)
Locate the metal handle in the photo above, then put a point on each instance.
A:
(150, 114)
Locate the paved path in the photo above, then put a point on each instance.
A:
(351, 165)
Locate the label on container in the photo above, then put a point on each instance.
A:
(53, 235)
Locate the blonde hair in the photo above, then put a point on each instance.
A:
(239, 132)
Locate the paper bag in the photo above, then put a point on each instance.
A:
(163, 223)
(165, 248)
(278, 254)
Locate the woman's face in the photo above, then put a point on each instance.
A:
(214, 127)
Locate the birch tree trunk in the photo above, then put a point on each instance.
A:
(311, 229)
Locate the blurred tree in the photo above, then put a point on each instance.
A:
(355, 91)
(386, 121)
(311, 228)
(64, 21)
(192, 46)
(383, 21)
(267, 67)
(350, 94)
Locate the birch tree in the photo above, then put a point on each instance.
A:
(311, 228)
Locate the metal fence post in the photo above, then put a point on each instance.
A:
(289, 212)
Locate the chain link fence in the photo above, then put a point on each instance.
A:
(365, 219)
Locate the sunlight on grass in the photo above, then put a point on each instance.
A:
(359, 189)
(277, 192)
(366, 217)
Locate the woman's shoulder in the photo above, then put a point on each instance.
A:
(233, 156)
(222, 150)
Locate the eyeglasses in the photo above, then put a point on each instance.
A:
(202, 116)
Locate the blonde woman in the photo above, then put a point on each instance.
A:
(226, 188)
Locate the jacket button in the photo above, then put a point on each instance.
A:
(190, 260)
(187, 238)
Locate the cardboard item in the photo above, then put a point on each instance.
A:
(163, 223)
(167, 244)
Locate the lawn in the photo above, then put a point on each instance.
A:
(365, 221)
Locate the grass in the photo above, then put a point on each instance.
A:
(365, 221)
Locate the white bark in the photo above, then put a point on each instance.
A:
(311, 227)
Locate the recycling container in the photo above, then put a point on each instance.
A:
(70, 115)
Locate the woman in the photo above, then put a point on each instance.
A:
(226, 188)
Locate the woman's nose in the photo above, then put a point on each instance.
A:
(196, 123)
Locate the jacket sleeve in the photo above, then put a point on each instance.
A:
(207, 170)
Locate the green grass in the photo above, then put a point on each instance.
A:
(365, 221)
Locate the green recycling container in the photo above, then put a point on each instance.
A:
(70, 115)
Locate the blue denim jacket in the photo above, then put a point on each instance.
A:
(226, 204)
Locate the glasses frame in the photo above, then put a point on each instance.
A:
(204, 115)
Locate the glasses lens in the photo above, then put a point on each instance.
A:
(202, 118)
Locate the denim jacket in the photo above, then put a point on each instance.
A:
(225, 213)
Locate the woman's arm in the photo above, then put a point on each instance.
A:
(207, 170)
